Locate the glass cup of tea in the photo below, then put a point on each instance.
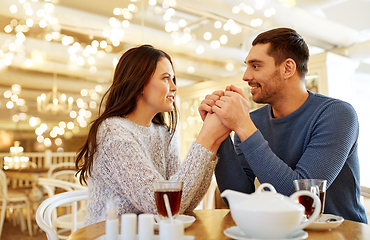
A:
(316, 186)
(173, 189)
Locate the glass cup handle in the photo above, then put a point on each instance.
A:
(315, 190)
(316, 201)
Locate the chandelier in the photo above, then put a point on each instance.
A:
(54, 102)
(16, 159)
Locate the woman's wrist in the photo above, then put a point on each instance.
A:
(204, 142)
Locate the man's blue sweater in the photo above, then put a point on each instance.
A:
(317, 141)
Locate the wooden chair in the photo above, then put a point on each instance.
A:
(12, 199)
(209, 197)
(365, 193)
(44, 211)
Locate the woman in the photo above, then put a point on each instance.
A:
(130, 145)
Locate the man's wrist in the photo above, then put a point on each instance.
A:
(245, 132)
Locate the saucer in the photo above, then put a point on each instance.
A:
(322, 225)
(188, 220)
(155, 237)
(237, 233)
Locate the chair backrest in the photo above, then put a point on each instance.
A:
(65, 175)
(50, 183)
(60, 166)
(44, 211)
(365, 191)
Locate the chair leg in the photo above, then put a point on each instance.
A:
(29, 223)
(12, 216)
(22, 220)
(3, 210)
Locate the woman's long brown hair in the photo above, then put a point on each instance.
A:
(133, 72)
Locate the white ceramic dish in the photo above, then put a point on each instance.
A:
(188, 220)
(155, 237)
(237, 233)
(322, 225)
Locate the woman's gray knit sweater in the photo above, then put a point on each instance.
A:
(130, 157)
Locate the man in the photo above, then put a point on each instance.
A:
(297, 134)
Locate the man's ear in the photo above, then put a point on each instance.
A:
(289, 68)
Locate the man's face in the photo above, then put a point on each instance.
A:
(262, 75)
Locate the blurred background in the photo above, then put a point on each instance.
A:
(57, 58)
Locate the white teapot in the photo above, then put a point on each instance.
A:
(268, 214)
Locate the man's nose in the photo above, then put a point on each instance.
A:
(247, 76)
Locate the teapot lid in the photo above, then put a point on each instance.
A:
(269, 201)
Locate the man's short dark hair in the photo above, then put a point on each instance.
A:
(286, 43)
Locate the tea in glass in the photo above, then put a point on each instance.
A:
(316, 186)
(173, 189)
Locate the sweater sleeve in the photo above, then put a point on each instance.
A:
(203, 182)
(194, 171)
(203, 188)
(173, 166)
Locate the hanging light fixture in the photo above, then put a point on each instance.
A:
(54, 102)
(16, 159)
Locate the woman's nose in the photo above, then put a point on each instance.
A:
(173, 87)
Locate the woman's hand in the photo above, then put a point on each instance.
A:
(213, 132)
(208, 102)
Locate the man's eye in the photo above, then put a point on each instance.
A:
(255, 66)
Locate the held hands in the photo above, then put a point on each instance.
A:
(232, 107)
(232, 100)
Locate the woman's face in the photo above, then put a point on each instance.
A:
(159, 94)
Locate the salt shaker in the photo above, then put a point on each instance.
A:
(112, 223)
(171, 230)
(146, 226)
(128, 226)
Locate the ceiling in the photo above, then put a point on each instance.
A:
(341, 26)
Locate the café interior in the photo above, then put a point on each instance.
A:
(57, 59)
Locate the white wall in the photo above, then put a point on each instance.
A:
(341, 77)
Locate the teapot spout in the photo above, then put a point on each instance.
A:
(233, 197)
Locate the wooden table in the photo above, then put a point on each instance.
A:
(29, 175)
(210, 224)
